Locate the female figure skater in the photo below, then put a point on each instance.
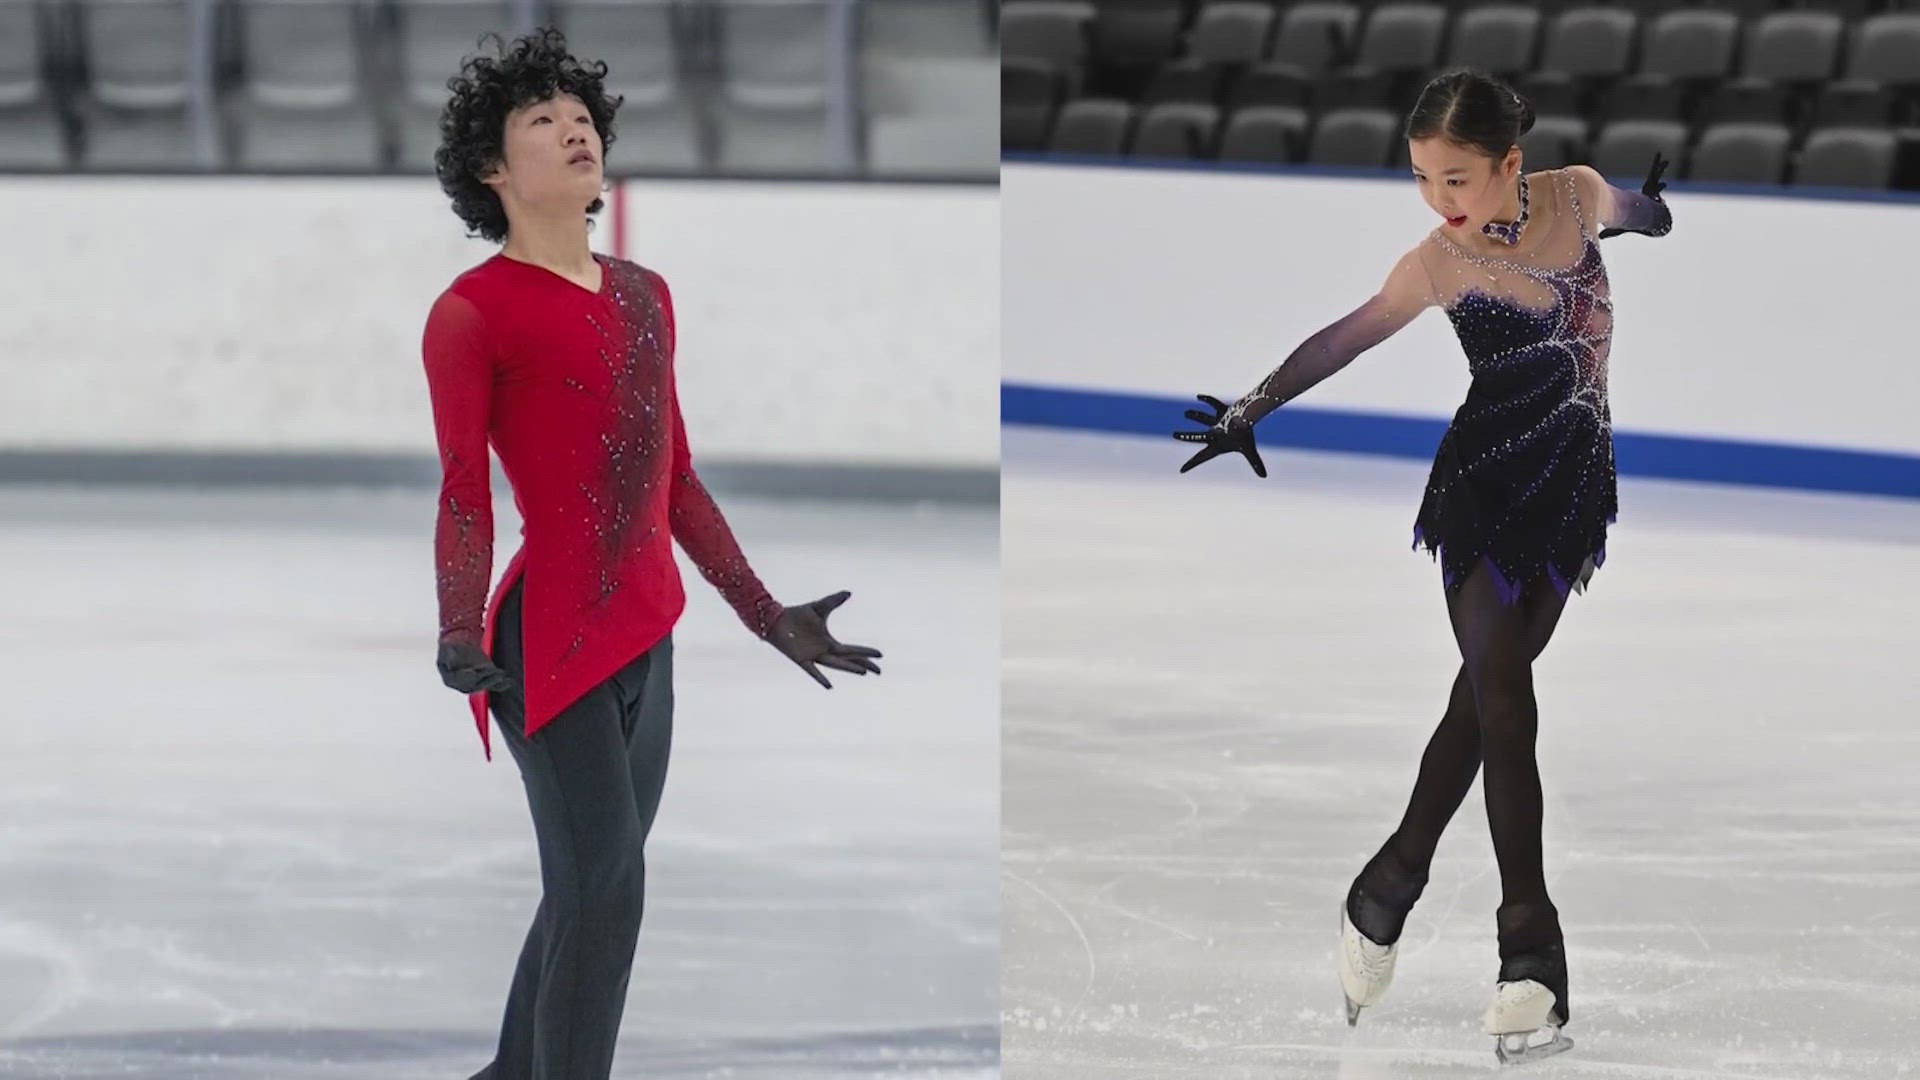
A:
(1516, 507)
(563, 361)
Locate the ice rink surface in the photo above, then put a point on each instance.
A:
(1216, 690)
(247, 835)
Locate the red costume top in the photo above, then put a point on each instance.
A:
(575, 390)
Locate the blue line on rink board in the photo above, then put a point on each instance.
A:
(1672, 457)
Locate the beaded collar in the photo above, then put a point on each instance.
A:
(1508, 232)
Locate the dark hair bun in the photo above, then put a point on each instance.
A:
(1526, 114)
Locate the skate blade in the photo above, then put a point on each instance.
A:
(1518, 1048)
(1353, 1011)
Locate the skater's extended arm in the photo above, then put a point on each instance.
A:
(800, 633)
(1407, 292)
(1621, 211)
(459, 367)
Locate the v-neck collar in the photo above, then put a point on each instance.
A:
(606, 273)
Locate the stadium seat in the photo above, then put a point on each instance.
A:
(1361, 137)
(136, 106)
(1315, 37)
(1500, 38)
(1793, 46)
(1589, 42)
(1053, 31)
(1402, 37)
(1854, 157)
(1623, 149)
(1099, 126)
(1741, 152)
(1269, 133)
(1177, 129)
(1691, 43)
(1029, 93)
(1232, 32)
(32, 136)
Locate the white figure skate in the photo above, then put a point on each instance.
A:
(1525, 1021)
(1366, 967)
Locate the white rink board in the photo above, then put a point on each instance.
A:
(1781, 320)
(846, 323)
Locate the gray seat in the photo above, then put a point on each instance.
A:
(657, 128)
(1099, 126)
(1029, 93)
(435, 37)
(31, 134)
(1177, 129)
(1624, 149)
(1273, 133)
(933, 28)
(1554, 142)
(1055, 31)
(1855, 157)
(777, 53)
(1793, 46)
(136, 112)
(1742, 152)
(1314, 37)
(1232, 32)
(1886, 49)
(778, 86)
(1853, 104)
(1691, 43)
(931, 116)
(1500, 38)
(1587, 42)
(301, 102)
(1402, 37)
(1362, 137)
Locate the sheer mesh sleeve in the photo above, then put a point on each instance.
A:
(701, 529)
(1620, 210)
(1634, 212)
(1407, 292)
(460, 381)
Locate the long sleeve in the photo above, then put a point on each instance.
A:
(1407, 291)
(700, 528)
(460, 381)
(703, 534)
(1637, 212)
(1619, 210)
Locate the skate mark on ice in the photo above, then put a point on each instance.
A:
(1563, 1064)
(66, 980)
(1086, 946)
(1108, 904)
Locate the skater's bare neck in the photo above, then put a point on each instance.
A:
(554, 240)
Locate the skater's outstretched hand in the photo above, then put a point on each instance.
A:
(1651, 218)
(1224, 434)
(468, 669)
(800, 633)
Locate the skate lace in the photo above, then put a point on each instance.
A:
(1367, 957)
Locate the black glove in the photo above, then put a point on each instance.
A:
(1654, 219)
(468, 669)
(1224, 434)
(800, 633)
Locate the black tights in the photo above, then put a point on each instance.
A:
(1491, 717)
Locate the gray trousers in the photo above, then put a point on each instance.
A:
(593, 778)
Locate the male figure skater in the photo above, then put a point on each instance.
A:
(563, 361)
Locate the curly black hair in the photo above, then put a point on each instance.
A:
(473, 126)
